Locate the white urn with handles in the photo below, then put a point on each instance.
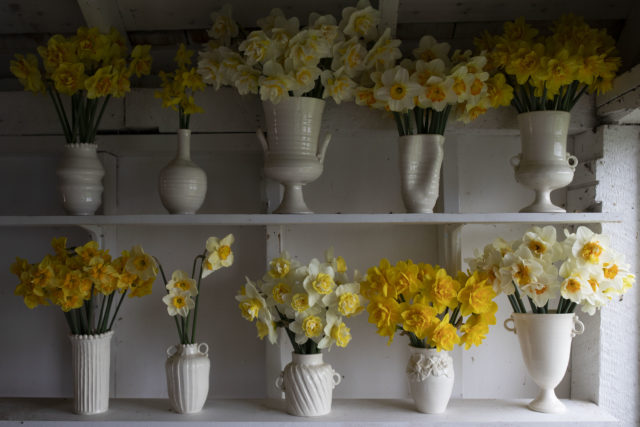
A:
(187, 369)
(293, 156)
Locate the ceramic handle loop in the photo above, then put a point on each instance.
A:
(280, 382)
(578, 327)
(263, 140)
(337, 378)
(172, 350)
(513, 325)
(206, 348)
(572, 161)
(515, 161)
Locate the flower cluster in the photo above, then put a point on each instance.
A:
(87, 66)
(71, 278)
(179, 86)
(308, 301)
(183, 291)
(281, 59)
(551, 72)
(428, 305)
(583, 269)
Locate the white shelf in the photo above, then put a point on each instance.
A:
(270, 219)
(346, 412)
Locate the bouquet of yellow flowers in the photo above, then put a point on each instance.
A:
(90, 67)
(281, 59)
(179, 86)
(429, 306)
(551, 72)
(581, 270)
(308, 301)
(80, 279)
(183, 291)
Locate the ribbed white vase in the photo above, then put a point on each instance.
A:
(431, 379)
(90, 356)
(187, 370)
(80, 175)
(420, 159)
(308, 385)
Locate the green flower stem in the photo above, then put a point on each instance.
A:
(546, 308)
(407, 123)
(453, 319)
(519, 299)
(561, 302)
(571, 308)
(175, 318)
(88, 305)
(514, 303)
(84, 327)
(115, 312)
(398, 119)
(195, 309)
(417, 114)
(100, 316)
(103, 326)
(61, 117)
(69, 318)
(97, 123)
(577, 97)
(292, 337)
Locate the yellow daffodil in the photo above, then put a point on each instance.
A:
(25, 68)
(141, 264)
(445, 335)
(218, 254)
(385, 313)
(140, 64)
(477, 296)
(419, 319)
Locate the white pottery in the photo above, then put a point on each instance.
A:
(80, 175)
(187, 370)
(545, 341)
(420, 162)
(182, 184)
(90, 359)
(292, 154)
(544, 164)
(308, 385)
(431, 376)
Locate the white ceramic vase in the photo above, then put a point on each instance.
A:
(544, 164)
(292, 154)
(545, 341)
(308, 385)
(420, 163)
(187, 370)
(90, 359)
(182, 184)
(431, 377)
(80, 175)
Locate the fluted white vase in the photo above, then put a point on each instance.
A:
(431, 377)
(308, 385)
(90, 356)
(187, 369)
(80, 175)
(545, 342)
(292, 154)
(182, 184)
(420, 163)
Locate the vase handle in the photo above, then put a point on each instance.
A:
(337, 378)
(263, 140)
(572, 161)
(206, 348)
(322, 149)
(172, 350)
(513, 325)
(578, 327)
(515, 161)
(280, 382)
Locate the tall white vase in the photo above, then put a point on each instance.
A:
(431, 377)
(90, 357)
(182, 184)
(545, 341)
(308, 385)
(80, 175)
(544, 164)
(420, 163)
(292, 154)
(187, 369)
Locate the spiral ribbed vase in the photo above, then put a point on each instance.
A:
(187, 370)
(90, 355)
(308, 385)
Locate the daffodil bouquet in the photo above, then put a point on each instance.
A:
(84, 282)
(581, 270)
(551, 72)
(90, 67)
(179, 86)
(183, 290)
(281, 59)
(308, 301)
(429, 306)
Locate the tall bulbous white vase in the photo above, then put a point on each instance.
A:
(182, 184)
(545, 341)
(90, 359)
(187, 370)
(80, 175)
(544, 164)
(420, 163)
(308, 385)
(431, 377)
(293, 156)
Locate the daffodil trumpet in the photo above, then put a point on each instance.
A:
(78, 279)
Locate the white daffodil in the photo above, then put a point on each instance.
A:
(297, 301)
(230, 61)
(267, 329)
(429, 49)
(309, 325)
(305, 78)
(178, 302)
(585, 245)
(180, 280)
(540, 293)
(277, 293)
(218, 254)
(258, 48)
(319, 281)
(335, 332)
(425, 70)
(328, 27)
(345, 301)
(462, 80)
(209, 67)
(246, 80)
(224, 28)
(617, 277)
(307, 48)
(281, 266)
(490, 260)
(251, 302)
(397, 90)
(576, 286)
(542, 243)
(384, 53)
(141, 264)
(437, 93)
(522, 267)
(339, 266)
(459, 56)
(338, 85)
(350, 55)
(360, 21)
(275, 84)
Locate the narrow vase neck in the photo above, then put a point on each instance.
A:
(184, 144)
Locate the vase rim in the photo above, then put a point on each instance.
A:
(90, 336)
(81, 144)
(427, 350)
(308, 99)
(544, 112)
(421, 136)
(551, 313)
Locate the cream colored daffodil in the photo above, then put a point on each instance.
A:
(141, 264)
(429, 49)
(335, 332)
(218, 254)
(319, 281)
(384, 53)
(360, 21)
(224, 28)
(275, 84)
(178, 302)
(308, 325)
(397, 91)
(338, 85)
(182, 281)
